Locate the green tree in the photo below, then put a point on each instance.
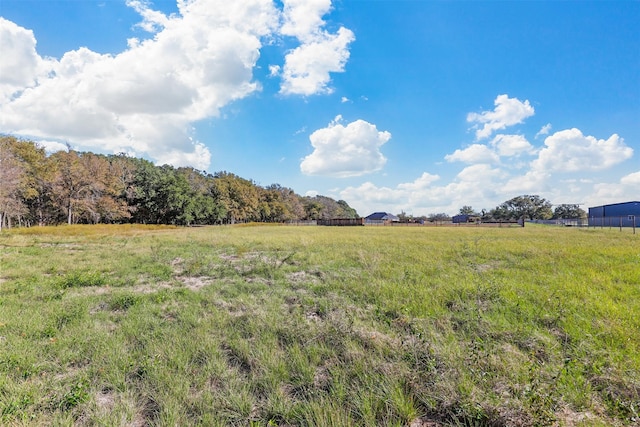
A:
(239, 197)
(467, 210)
(203, 206)
(569, 211)
(323, 207)
(527, 207)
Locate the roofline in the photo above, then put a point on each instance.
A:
(614, 204)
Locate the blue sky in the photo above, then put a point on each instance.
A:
(415, 106)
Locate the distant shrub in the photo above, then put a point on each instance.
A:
(124, 301)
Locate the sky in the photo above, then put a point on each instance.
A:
(391, 105)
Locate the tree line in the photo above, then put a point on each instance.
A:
(529, 207)
(82, 187)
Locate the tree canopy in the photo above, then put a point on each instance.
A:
(82, 187)
(527, 207)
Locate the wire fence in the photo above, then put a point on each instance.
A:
(621, 222)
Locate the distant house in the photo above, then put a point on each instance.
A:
(625, 214)
(462, 219)
(381, 218)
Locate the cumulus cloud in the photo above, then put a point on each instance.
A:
(424, 181)
(153, 21)
(143, 100)
(624, 190)
(475, 153)
(512, 145)
(569, 168)
(307, 68)
(571, 151)
(631, 179)
(21, 66)
(507, 112)
(472, 186)
(343, 151)
(303, 18)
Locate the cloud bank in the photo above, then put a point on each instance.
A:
(143, 100)
(508, 165)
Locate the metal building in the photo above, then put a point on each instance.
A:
(625, 214)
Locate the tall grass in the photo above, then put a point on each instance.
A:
(315, 326)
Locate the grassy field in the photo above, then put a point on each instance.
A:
(319, 326)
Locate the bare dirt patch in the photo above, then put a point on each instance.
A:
(195, 283)
(105, 400)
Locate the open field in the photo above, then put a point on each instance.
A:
(319, 326)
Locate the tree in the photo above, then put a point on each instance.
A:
(36, 178)
(467, 210)
(527, 207)
(238, 197)
(204, 207)
(72, 184)
(569, 211)
(323, 207)
(11, 179)
(439, 217)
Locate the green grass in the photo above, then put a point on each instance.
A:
(319, 326)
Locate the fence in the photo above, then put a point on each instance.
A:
(341, 221)
(625, 221)
(302, 222)
(565, 222)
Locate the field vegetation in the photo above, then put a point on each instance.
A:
(319, 326)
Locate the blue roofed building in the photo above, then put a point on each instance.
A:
(625, 214)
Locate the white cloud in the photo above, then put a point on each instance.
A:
(569, 168)
(512, 145)
(52, 146)
(571, 151)
(344, 151)
(144, 99)
(199, 157)
(274, 70)
(475, 153)
(303, 18)
(153, 21)
(368, 198)
(624, 190)
(307, 68)
(508, 112)
(21, 66)
(423, 182)
(472, 186)
(631, 179)
(544, 130)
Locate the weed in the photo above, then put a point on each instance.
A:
(81, 278)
